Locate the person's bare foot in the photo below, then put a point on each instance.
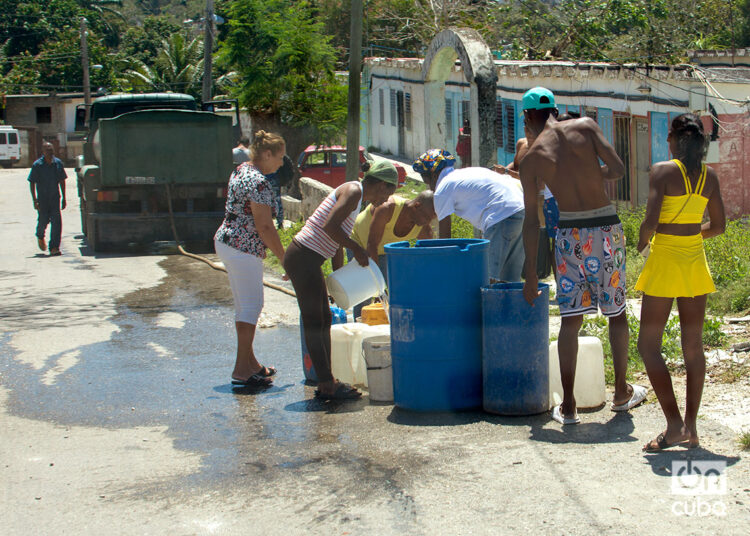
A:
(620, 399)
(337, 390)
(668, 439)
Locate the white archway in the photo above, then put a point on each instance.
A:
(479, 69)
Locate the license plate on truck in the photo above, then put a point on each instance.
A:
(140, 180)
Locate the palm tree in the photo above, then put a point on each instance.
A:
(178, 67)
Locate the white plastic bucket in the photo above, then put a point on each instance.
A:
(352, 283)
(377, 351)
(347, 358)
(589, 388)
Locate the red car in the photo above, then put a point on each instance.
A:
(327, 164)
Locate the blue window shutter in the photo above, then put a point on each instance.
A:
(604, 117)
(659, 131)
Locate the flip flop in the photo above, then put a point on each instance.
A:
(256, 380)
(343, 391)
(266, 372)
(638, 396)
(661, 444)
(558, 416)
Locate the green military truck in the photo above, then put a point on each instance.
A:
(151, 160)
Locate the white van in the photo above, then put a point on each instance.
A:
(10, 146)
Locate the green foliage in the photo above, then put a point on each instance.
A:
(411, 188)
(178, 67)
(744, 441)
(460, 228)
(598, 326)
(143, 43)
(733, 298)
(729, 253)
(713, 337)
(285, 69)
(286, 235)
(642, 31)
(671, 348)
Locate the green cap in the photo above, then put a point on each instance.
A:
(384, 171)
(538, 98)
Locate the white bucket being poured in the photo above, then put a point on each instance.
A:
(352, 284)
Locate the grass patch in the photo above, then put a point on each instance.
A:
(743, 440)
(728, 258)
(671, 348)
(286, 236)
(460, 228)
(411, 188)
(733, 373)
(598, 326)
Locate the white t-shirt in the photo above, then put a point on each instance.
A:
(240, 155)
(478, 195)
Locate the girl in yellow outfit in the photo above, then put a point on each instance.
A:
(680, 191)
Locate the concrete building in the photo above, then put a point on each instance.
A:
(49, 117)
(632, 104)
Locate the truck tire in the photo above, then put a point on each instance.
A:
(91, 236)
(83, 218)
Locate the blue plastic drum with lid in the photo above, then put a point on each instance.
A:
(436, 322)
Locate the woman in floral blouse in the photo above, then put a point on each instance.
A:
(241, 242)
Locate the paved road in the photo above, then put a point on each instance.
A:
(117, 417)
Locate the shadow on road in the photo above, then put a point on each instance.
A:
(661, 462)
(618, 429)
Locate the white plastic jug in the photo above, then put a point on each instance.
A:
(352, 283)
(347, 359)
(589, 389)
(377, 350)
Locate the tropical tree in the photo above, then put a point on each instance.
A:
(178, 67)
(285, 71)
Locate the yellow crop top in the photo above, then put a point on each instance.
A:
(362, 227)
(686, 208)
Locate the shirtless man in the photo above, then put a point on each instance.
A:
(590, 252)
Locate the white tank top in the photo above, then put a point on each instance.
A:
(313, 236)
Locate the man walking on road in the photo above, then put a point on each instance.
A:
(590, 251)
(47, 182)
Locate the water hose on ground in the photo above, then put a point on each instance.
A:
(212, 264)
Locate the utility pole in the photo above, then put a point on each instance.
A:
(355, 68)
(85, 64)
(208, 45)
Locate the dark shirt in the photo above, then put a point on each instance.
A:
(47, 178)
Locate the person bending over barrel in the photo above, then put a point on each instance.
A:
(321, 238)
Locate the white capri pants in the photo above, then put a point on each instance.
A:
(245, 273)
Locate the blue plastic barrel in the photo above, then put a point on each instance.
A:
(515, 350)
(338, 316)
(436, 322)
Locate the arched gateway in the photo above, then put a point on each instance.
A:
(477, 65)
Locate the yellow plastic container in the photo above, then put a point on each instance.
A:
(374, 314)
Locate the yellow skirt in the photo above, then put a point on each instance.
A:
(676, 268)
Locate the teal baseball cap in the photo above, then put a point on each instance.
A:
(538, 98)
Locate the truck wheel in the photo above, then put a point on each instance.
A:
(83, 217)
(91, 235)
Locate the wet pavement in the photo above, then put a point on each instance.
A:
(118, 416)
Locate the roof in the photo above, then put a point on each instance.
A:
(127, 97)
(313, 148)
(733, 75)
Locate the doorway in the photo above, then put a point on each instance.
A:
(642, 159)
(400, 121)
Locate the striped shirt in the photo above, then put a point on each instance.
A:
(312, 235)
